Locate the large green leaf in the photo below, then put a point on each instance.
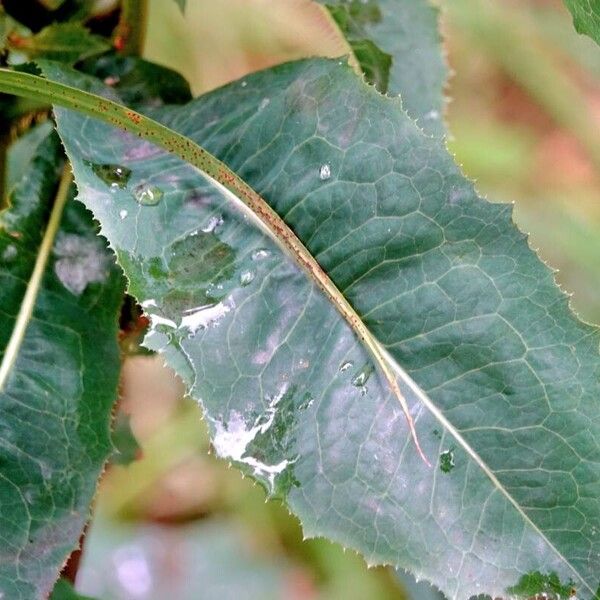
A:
(586, 17)
(399, 48)
(57, 382)
(504, 381)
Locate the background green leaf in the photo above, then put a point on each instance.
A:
(67, 42)
(405, 34)
(586, 17)
(56, 404)
(443, 279)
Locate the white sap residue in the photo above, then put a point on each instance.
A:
(232, 439)
(213, 223)
(160, 320)
(203, 316)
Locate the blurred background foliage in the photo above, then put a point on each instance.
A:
(524, 122)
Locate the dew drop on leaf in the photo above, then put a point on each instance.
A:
(447, 461)
(112, 174)
(147, 195)
(325, 172)
(246, 277)
(122, 214)
(345, 366)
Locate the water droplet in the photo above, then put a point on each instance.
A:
(213, 223)
(346, 365)
(264, 103)
(361, 378)
(244, 83)
(260, 254)
(112, 174)
(10, 253)
(147, 195)
(123, 213)
(246, 277)
(447, 461)
(325, 172)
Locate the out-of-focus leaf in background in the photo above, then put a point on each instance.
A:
(586, 17)
(67, 42)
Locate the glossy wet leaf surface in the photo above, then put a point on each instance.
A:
(56, 404)
(506, 377)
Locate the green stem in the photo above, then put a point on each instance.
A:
(130, 32)
(234, 187)
(35, 281)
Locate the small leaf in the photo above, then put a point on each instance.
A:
(543, 585)
(63, 590)
(405, 33)
(586, 17)
(139, 82)
(66, 42)
(374, 63)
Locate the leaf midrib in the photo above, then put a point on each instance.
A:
(120, 116)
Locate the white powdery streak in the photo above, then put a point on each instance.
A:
(231, 441)
(158, 320)
(203, 316)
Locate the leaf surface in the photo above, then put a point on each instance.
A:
(58, 391)
(503, 378)
(586, 17)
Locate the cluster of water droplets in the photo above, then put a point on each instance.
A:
(117, 177)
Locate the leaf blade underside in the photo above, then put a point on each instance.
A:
(443, 279)
(57, 399)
